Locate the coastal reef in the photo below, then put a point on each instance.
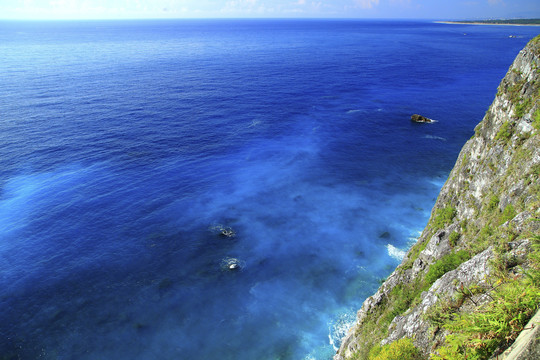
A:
(471, 284)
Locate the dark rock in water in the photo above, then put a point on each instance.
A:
(385, 235)
(164, 286)
(227, 232)
(141, 327)
(420, 119)
(224, 231)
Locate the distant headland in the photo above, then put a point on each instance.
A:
(522, 22)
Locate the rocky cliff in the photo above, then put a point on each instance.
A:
(469, 285)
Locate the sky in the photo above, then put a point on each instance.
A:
(137, 9)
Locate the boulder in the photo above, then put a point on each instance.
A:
(420, 119)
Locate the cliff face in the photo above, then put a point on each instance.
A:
(482, 231)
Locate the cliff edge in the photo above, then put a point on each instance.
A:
(471, 283)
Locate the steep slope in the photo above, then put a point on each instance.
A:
(480, 243)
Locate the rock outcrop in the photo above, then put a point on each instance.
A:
(527, 345)
(486, 220)
(420, 119)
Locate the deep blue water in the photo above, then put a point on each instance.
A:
(124, 145)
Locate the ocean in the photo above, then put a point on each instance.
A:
(221, 189)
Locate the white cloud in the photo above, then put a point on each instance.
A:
(240, 4)
(401, 2)
(62, 3)
(246, 7)
(367, 4)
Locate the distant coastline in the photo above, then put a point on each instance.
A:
(511, 22)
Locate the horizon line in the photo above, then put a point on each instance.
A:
(264, 18)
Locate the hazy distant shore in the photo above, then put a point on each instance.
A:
(489, 22)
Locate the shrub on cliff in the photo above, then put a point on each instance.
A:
(402, 349)
(505, 132)
(445, 264)
(443, 217)
(536, 120)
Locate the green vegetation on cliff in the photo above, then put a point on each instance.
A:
(477, 335)
(445, 264)
(402, 349)
(443, 217)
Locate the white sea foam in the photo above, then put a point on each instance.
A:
(339, 328)
(438, 181)
(254, 123)
(395, 252)
(434, 137)
(414, 237)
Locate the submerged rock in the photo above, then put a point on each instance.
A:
(420, 119)
(225, 231)
(232, 264)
